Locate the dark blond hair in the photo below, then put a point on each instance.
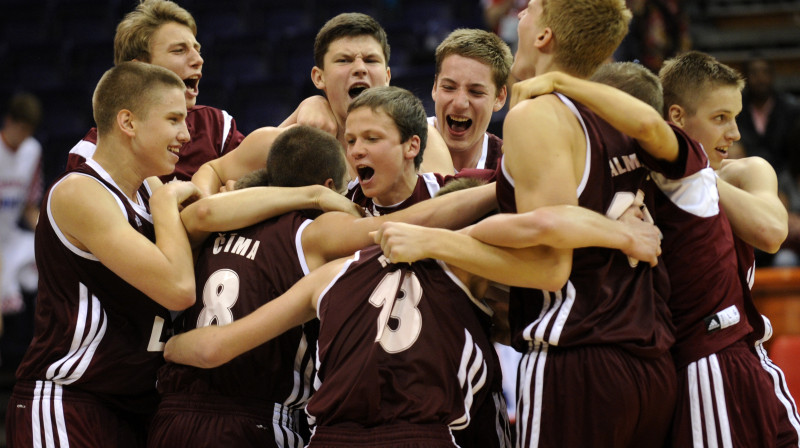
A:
(132, 40)
(585, 32)
(633, 79)
(129, 85)
(482, 46)
(350, 24)
(686, 77)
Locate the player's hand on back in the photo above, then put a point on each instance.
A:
(645, 237)
(330, 201)
(532, 87)
(315, 111)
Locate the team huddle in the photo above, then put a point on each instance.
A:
(340, 279)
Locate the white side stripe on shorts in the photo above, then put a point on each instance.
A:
(709, 411)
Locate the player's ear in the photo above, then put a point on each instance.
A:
(411, 148)
(317, 78)
(544, 38)
(329, 183)
(500, 101)
(676, 114)
(125, 122)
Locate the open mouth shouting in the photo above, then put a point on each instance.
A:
(192, 84)
(457, 124)
(365, 173)
(356, 89)
(723, 151)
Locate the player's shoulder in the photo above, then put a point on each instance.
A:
(747, 166)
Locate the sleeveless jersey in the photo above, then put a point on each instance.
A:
(400, 344)
(236, 273)
(491, 150)
(707, 301)
(605, 301)
(746, 263)
(93, 331)
(213, 134)
(428, 184)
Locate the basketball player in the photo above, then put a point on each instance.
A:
(162, 33)
(472, 68)
(113, 258)
(703, 96)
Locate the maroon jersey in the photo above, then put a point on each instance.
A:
(213, 134)
(236, 273)
(428, 184)
(492, 152)
(94, 332)
(605, 301)
(400, 344)
(698, 251)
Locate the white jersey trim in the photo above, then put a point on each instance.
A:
(479, 303)
(84, 149)
(344, 269)
(138, 206)
(226, 129)
(696, 194)
(298, 244)
(83, 346)
(588, 165)
(431, 183)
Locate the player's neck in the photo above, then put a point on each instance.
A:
(401, 190)
(121, 166)
(468, 158)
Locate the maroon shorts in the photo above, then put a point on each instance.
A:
(212, 421)
(598, 396)
(788, 417)
(43, 413)
(401, 435)
(725, 399)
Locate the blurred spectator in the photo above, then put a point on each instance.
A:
(789, 186)
(767, 115)
(20, 194)
(659, 30)
(501, 17)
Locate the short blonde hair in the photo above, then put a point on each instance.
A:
(687, 77)
(129, 85)
(132, 40)
(586, 32)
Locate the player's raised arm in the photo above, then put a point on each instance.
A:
(215, 345)
(748, 191)
(249, 156)
(627, 114)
